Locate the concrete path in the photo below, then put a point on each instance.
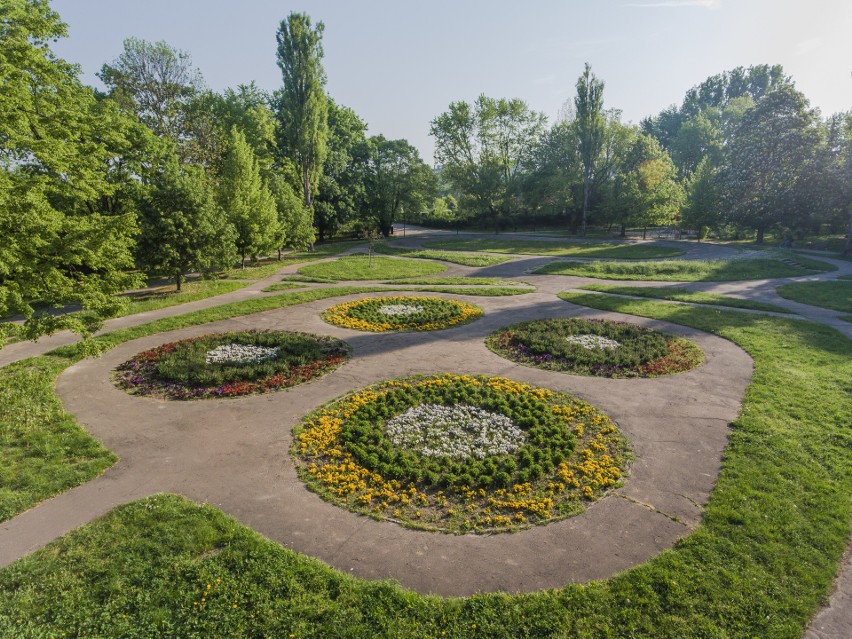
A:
(234, 453)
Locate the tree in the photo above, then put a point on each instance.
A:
(301, 102)
(396, 181)
(183, 230)
(294, 220)
(590, 130)
(246, 200)
(771, 150)
(648, 191)
(247, 108)
(483, 150)
(703, 206)
(341, 191)
(64, 235)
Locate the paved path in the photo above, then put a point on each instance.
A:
(671, 421)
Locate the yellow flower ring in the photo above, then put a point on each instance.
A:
(401, 313)
(530, 456)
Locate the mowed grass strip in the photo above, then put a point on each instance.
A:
(683, 295)
(165, 296)
(558, 249)
(269, 266)
(836, 295)
(465, 259)
(44, 449)
(365, 267)
(461, 281)
(773, 532)
(686, 270)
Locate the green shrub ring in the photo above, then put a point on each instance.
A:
(599, 348)
(555, 454)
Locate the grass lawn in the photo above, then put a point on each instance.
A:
(773, 532)
(683, 295)
(834, 295)
(687, 270)
(461, 281)
(190, 292)
(465, 259)
(363, 267)
(557, 249)
(267, 267)
(45, 452)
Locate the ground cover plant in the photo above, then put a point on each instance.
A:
(282, 286)
(544, 247)
(459, 453)
(688, 270)
(462, 281)
(774, 529)
(465, 259)
(364, 267)
(595, 347)
(401, 313)
(683, 295)
(836, 295)
(230, 364)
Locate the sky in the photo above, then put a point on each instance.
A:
(398, 63)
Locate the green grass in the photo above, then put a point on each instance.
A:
(190, 292)
(363, 267)
(845, 318)
(836, 295)
(687, 270)
(558, 249)
(465, 259)
(683, 295)
(45, 451)
(282, 286)
(461, 281)
(305, 278)
(268, 267)
(774, 530)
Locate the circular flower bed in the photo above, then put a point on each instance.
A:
(595, 347)
(230, 364)
(381, 314)
(459, 453)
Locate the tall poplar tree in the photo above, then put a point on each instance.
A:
(590, 130)
(301, 102)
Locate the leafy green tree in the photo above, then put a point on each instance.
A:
(396, 181)
(296, 230)
(341, 185)
(590, 131)
(770, 153)
(183, 229)
(66, 232)
(247, 108)
(556, 172)
(246, 200)
(301, 102)
(699, 137)
(166, 92)
(703, 206)
(648, 192)
(483, 149)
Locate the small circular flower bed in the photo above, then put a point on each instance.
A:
(399, 313)
(230, 364)
(595, 347)
(459, 453)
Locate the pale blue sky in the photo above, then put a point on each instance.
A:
(399, 64)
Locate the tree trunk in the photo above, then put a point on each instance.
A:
(242, 261)
(644, 229)
(760, 235)
(306, 185)
(585, 203)
(178, 280)
(847, 248)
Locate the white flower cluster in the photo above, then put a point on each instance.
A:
(590, 342)
(399, 309)
(458, 432)
(240, 354)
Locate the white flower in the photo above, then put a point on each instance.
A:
(240, 354)
(399, 309)
(458, 432)
(590, 342)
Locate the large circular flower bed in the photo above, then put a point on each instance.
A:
(595, 347)
(459, 453)
(400, 313)
(230, 364)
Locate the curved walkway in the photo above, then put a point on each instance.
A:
(671, 421)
